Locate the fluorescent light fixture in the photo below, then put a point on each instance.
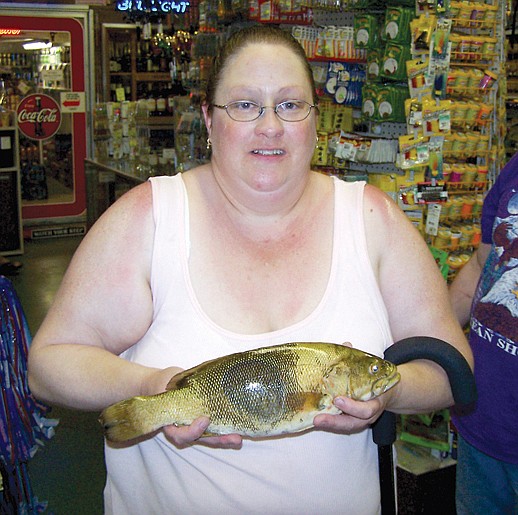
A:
(37, 45)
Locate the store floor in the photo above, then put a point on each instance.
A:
(68, 472)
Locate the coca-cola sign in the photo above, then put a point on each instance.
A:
(39, 116)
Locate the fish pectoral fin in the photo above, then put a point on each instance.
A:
(208, 434)
(313, 401)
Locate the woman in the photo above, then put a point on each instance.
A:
(249, 250)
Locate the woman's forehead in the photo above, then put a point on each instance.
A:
(264, 62)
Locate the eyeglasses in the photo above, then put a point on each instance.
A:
(247, 111)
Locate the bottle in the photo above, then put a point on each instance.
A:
(114, 65)
(151, 101)
(161, 103)
(141, 62)
(126, 59)
(170, 102)
(149, 60)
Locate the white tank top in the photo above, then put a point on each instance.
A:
(313, 472)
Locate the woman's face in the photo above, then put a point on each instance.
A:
(267, 155)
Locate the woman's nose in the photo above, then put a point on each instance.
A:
(269, 121)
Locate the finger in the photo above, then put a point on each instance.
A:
(342, 424)
(182, 436)
(365, 410)
(232, 441)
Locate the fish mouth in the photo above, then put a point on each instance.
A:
(268, 152)
(386, 383)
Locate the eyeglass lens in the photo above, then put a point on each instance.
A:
(290, 110)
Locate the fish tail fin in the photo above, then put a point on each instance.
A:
(121, 422)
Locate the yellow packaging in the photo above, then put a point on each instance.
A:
(483, 114)
(462, 81)
(459, 110)
(445, 208)
(383, 181)
(482, 172)
(467, 207)
(471, 114)
(326, 117)
(475, 48)
(470, 150)
(470, 173)
(456, 207)
(446, 171)
(489, 47)
(459, 142)
(443, 238)
(466, 234)
(483, 144)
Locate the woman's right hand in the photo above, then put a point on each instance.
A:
(184, 436)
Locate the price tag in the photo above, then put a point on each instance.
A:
(432, 220)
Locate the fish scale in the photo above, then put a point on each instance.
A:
(261, 392)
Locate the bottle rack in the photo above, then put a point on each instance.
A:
(131, 72)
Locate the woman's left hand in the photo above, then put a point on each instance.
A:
(355, 417)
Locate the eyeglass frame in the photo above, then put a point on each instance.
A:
(262, 108)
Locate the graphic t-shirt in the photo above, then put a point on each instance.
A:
(493, 426)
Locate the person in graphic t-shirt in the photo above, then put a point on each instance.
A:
(485, 293)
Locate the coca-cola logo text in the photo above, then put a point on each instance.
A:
(42, 116)
(39, 116)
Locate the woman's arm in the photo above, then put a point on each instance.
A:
(417, 302)
(102, 308)
(462, 289)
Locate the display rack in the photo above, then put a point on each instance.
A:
(11, 237)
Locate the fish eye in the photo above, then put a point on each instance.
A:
(374, 369)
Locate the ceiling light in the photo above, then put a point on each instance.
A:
(37, 45)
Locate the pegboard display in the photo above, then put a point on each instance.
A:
(324, 18)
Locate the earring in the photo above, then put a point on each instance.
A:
(209, 143)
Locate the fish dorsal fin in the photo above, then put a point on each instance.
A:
(181, 379)
(176, 381)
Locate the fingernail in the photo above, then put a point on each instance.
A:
(204, 423)
(339, 402)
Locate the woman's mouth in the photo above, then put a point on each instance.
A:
(264, 152)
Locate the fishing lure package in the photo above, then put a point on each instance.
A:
(366, 31)
(344, 83)
(397, 24)
(394, 61)
(422, 30)
(374, 57)
(384, 102)
(363, 149)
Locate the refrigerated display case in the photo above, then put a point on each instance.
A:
(46, 65)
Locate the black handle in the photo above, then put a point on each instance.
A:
(463, 389)
(448, 357)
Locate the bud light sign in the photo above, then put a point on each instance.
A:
(39, 116)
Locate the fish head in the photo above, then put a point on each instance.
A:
(361, 376)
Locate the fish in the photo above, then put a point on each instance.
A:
(263, 392)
